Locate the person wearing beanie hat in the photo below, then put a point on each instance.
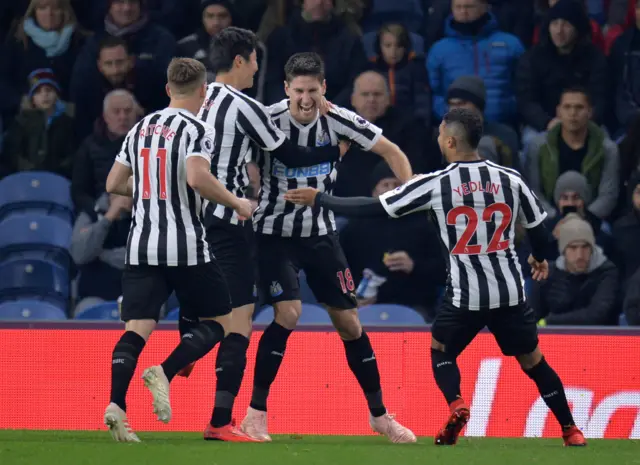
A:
(216, 15)
(572, 12)
(46, 98)
(500, 142)
(583, 287)
(572, 182)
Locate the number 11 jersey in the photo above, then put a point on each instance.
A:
(476, 206)
(167, 219)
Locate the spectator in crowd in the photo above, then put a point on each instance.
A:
(625, 73)
(631, 305)
(9, 11)
(403, 263)
(596, 32)
(98, 248)
(473, 45)
(514, 17)
(629, 149)
(116, 69)
(48, 36)
(316, 28)
(216, 16)
(42, 136)
(129, 20)
(95, 157)
(565, 57)
(572, 195)
(576, 144)
(626, 233)
(621, 16)
(370, 100)
(405, 72)
(582, 288)
(500, 142)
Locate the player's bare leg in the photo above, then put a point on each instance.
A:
(552, 391)
(123, 365)
(271, 350)
(447, 376)
(362, 362)
(230, 365)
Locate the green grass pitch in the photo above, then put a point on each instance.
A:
(97, 448)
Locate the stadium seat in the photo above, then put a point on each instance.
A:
(390, 315)
(30, 310)
(264, 316)
(105, 311)
(173, 315)
(36, 236)
(369, 43)
(45, 279)
(306, 294)
(45, 192)
(622, 320)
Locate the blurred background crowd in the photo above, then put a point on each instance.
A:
(557, 82)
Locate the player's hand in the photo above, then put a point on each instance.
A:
(344, 147)
(244, 209)
(399, 261)
(302, 196)
(324, 106)
(539, 270)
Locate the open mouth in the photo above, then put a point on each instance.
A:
(307, 110)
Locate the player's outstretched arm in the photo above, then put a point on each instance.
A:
(200, 179)
(395, 158)
(366, 207)
(120, 180)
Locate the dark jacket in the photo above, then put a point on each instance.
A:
(625, 75)
(543, 74)
(584, 299)
(631, 306)
(342, 52)
(33, 143)
(91, 166)
(626, 232)
(408, 82)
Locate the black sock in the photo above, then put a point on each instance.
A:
(123, 365)
(447, 375)
(552, 392)
(230, 365)
(271, 349)
(194, 345)
(363, 364)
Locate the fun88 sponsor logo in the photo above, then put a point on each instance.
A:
(281, 171)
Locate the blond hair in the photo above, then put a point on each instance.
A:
(69, 17)
(185, 76)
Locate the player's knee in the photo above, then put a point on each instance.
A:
(287, 313)
(142, 328)
(530, 360)
(346, 323)
(241, 320)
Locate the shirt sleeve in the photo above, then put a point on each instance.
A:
(124, 156)
(413, 196)
(531, 213)
(201, 142)
(354, 127)
(255, 122)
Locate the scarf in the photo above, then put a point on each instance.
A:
(113, 29)
(54, 43)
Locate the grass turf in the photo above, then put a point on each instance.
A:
(97, 448)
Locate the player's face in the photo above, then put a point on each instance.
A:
(574, 111)
(304, 94)
(392, 51)
(578, 255)
(571, 199)
(215, 18)
(444, 141)
(248, 68)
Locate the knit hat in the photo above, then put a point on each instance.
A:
(223, 3)
(380, 172)
(571, 11)
(40, 77)
(573, 229)
(572, 181)
(470, 89)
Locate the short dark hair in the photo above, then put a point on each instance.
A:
(576, 90)
(304, 64)
(469, 123)
(228, 44)
(112, 42)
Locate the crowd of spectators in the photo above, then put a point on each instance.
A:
(557, 83)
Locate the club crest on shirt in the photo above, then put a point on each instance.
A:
(322, 139)
(361, 122)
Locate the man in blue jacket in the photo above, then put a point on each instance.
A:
(473, 45)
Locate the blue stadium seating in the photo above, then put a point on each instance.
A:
(36, 236)
(45, 192)
(30, 310)
(173, 315)
(45, 279)
(311, 315)
(622, 320)
(407, 12)
(369, 43)
(264, 315)
(105, 311)
(390, 315)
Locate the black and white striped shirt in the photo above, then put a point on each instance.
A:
(476, 206)
(238, 121)
(279, 217)
(166, 228)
